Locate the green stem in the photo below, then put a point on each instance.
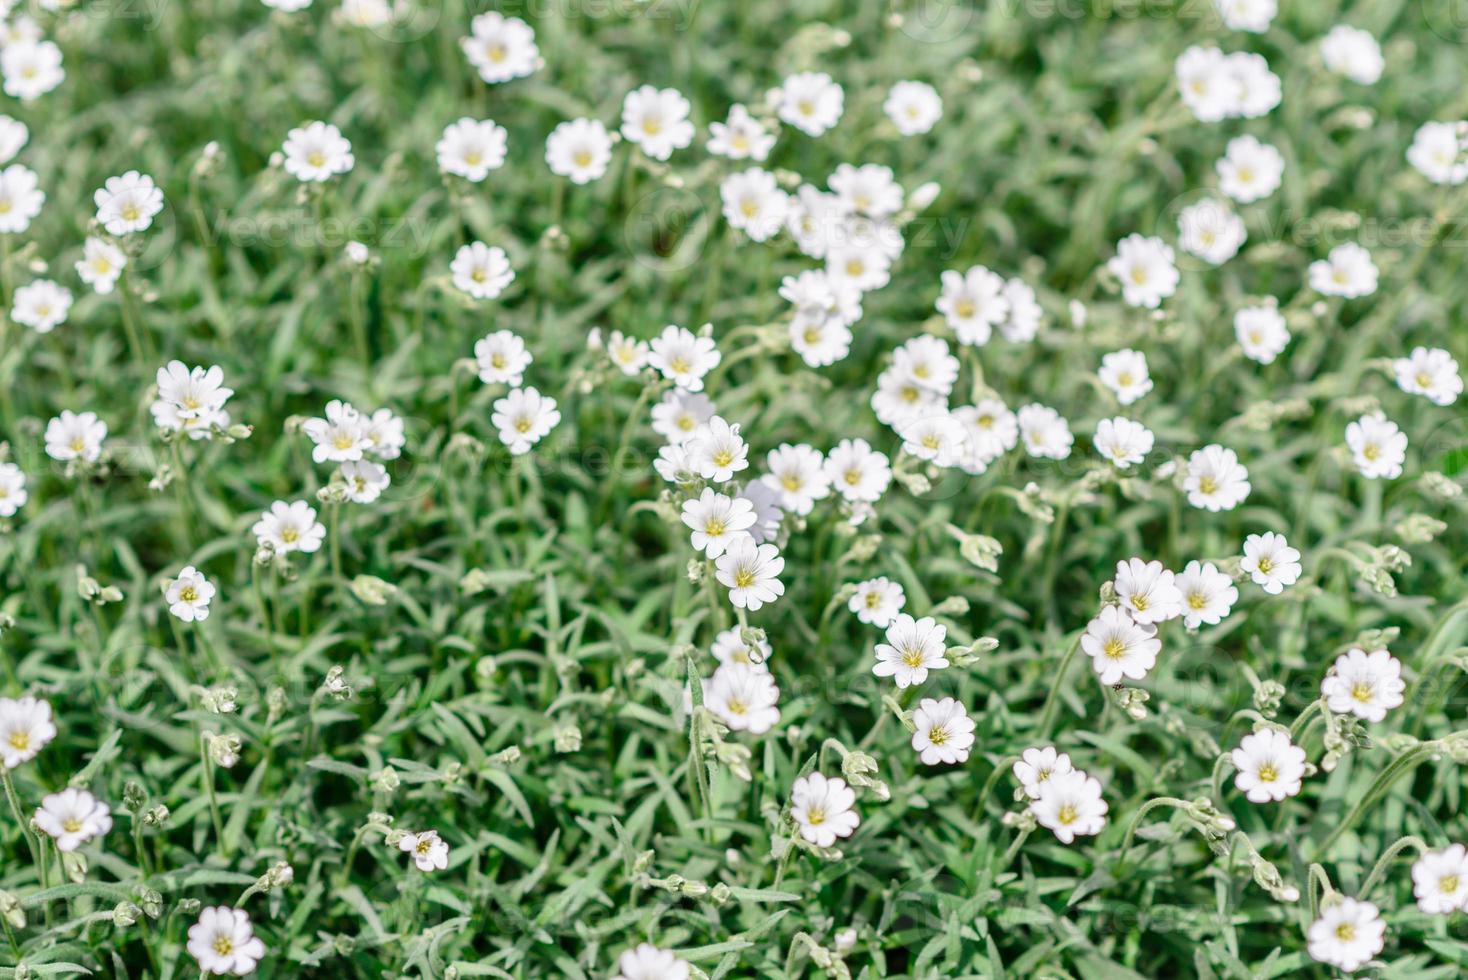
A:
(1386, 858)
(1052, 700)
(206, 772)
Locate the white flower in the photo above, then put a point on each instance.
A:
(1270, 766)
(913, 647)
(673, 463)
(25, 729)
(1206, 85)
(41, 305)
(717, 452)
(656, 120)
(1247, 15)
(797, 474)
(1147, 591)
(20, 198)
(744, 697)
(1045, 434)
(628, 353)
(223, 941)
(742, 137)
(1431, 373)
(1270, 562)
(316, 152)
(814, 219)
(1070, 805)
(75, 436)
(429, 851)
(288, 527)
(1125, 373)
(1249, 170)
(127, 203)
(1025, 313)
(1347, 934)
(1123, 442)
(937, 437)
(869, 189)
(13, 137)
(500, 47)
(679, 416)
(717, 521)
(754, 203)
(1144, 267)
(1353, 53)
(857, 471)
(819, 340)
(1440, 880)
(858, 266)
(1347, 271)
(364, 480)
(13, 494)
(1366, 685)
(365, 13)
(1377, 446)
(1256, 89)
(729, 648)
(1439, 152)
(768, 514)
(1120, 647)
(339, 437)
(944, 731)
(647, 962)
(682, 357)
(823, 809)
(913, 107)
(927, 361)
(1037, 765)
(1211, 231)
(993, 429)
(100, 265)
(579, 149)
(1208, 594)
(191, 399)
(502, 359)
(471, 148)
(899, 399)
(382, 432)
(287, 6)
(72, 817)
(31, 68)
(189, 594)
(1262, 332)
(810, 102)
(973, 303)
(523, 418)
(482, 271)
(877, 601)
(750, 572)
(1215, 479)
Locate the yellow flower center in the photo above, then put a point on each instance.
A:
(938, 735)
(1208, 484)
(1447, 884)
(1114, 649)
(1139, 603)
(714, 527)
(188, 594)
(1197, 600)
(582, 158)
(316, 158)
(1265, 565)
(1345, 932)
(522, 424)
(20, 740)
(815, 816)
(744, 578)
(1361, 691)
(71, 825)
(1267, 773)
(791, 483)
(290, 535)
(680, 364)
(1067, 815)
(912, 657)
(223, 945)
(723, 457)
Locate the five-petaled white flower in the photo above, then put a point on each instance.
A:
(188, 596)
(26, 727)
(127, 203)
(1366, 685)
(913, 647)
(288, 527)
(1430, 372)
(877, 601)
(1119, 646)
(682, 357)
(1347, 934)
(944, 731)
(481, 271)
(1347, 271)
(523, 418)
(1215, 479)
(823, 809)
(647, 962)
(1208, 594)
(744, 697)
(316, 152)
(1147, 591)
(1377, 446)
(751, 573)
(656, 120)
(223, 941)
(428, 850)
(810, 101)
(502, 358)
(717, 521)
(72, 817)
(1144, 267)
(1036, 765)
(1270, 562)
(73, 435)
(1440, 880)
(1070, 805)
(579, 149)
(471, 148)
(1270, 766)
(500, 47)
